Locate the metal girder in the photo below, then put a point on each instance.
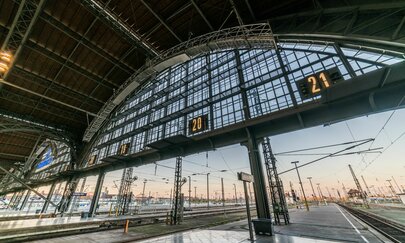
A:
(158, 25)
(62, 89)
(18, 126)
(202, 14)
(27, 186)
(69, 64)
(235, 10)
(257, 35)
(161, 20)
(113, 21)
(250, 10)
(375, 25)
(107, 74)
(58, 73)
(82, 39)
(21, 28)
(29, 102)
(14, 155)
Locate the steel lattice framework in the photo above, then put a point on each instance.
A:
(252, 36)
(278, 200)
(231, 86)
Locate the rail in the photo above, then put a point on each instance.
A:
(393, 231)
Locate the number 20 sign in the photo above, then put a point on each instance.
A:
(198, 124)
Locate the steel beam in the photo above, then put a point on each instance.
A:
(347, 25)
(25, 185)
(48, 198)
(24, 202)
(29, 102)
(114, 21)
(83, 40)
(256, 167)
(21, 30)
(202, 14)
(96, 195)
(177, 12)
(161, 20)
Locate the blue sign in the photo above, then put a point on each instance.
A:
(46, 159)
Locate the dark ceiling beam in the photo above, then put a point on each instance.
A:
(202, 14)
(252, 14)
(235, 10)
(161, 20)
(20, 29)
(58, 73)
(18, 145)
(157, 26)
(59, 88)
(51, 110)
(69, 64)
(13, 155)
(82, 39)
(355, 18)
(107, 74)
(114, 22)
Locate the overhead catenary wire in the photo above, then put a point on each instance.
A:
(327, 156)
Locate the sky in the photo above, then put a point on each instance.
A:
(331, 172)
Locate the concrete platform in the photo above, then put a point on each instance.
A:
(321, 224)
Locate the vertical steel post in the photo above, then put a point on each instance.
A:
(313, 191)
(189, 192)
(208, 191)
(302, 187)
(223, 192)
(96, 195)
(24, 202)
(48, 198)
(262, 201)
(248, 211)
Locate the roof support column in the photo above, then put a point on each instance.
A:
(24, 202)
(256, 167)
(96, 195)
(48, 198)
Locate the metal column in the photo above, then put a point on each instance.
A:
(259, 185)
(25, 200)
(67, 197)
(48, 198)
(276, 187)
(175, 216)
(97, 193)
(362, 194)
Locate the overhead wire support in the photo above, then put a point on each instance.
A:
(361, 192)
(176, 214)
(275, 185)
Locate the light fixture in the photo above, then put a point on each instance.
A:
(5, 59)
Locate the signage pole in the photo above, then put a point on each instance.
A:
(248, 211)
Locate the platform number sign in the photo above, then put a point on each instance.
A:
(198, 124)
(314, 84)
(124, 148)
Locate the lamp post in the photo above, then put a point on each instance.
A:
(313, 191)
(208, 188)
(236, 196)
(208, 191)
(143, 191)
(302, 188)
(189, 192)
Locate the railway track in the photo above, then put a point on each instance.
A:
(393, 231)
(101, 225)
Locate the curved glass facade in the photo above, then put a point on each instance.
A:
(228, 86)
